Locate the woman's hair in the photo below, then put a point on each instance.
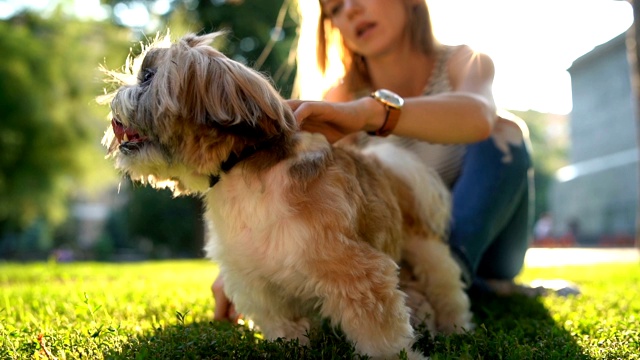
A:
(356, 76)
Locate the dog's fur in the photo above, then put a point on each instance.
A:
(298, 227)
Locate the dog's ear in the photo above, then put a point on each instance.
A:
(226, 94)
(249, 133)
(247, 130)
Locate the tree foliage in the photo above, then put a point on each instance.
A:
(158, 225)
(548, 155)
(51, 126)
(261, 33)
(264, 32)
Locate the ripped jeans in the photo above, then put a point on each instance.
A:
(492, 209)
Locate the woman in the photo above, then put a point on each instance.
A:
(448, 119)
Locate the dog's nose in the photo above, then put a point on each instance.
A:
(129, 147)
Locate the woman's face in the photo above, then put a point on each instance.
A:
(368, 27)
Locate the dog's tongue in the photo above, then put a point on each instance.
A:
(125, 134)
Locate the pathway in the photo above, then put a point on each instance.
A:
(545, 257)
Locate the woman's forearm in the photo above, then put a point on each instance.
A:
(446, 118)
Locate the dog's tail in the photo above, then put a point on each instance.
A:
(432, 204)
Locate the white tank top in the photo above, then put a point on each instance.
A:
(445, 159)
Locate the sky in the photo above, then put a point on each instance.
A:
(532, 42)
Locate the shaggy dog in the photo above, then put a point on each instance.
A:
(299, 227)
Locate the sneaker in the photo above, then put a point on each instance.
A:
(537, 288)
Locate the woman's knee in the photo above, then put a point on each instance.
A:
(509, 133)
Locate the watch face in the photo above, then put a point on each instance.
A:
(390, 98)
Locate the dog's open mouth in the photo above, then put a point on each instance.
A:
(128, 139)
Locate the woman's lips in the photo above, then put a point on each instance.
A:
(364, 28)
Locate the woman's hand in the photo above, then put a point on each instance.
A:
(336, 120)
(224, 309)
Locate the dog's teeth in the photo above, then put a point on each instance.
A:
(125, 137)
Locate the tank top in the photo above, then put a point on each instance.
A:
(446, 159)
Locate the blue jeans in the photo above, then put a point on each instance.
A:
(492, 211)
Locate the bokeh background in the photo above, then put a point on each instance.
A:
(60, 199)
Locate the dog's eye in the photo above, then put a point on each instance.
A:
(147, 75)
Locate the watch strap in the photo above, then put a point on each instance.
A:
(390, 122)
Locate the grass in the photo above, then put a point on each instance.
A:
(162, 310)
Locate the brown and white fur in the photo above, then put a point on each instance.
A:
(299, 227)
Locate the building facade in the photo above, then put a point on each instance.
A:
(596, 196)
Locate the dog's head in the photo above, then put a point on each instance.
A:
(184, 113)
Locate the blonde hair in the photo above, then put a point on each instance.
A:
(356, 75)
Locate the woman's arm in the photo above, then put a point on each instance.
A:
(464, 115)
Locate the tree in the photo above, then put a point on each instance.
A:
(51, 126)
(261, 33)
(166, 226)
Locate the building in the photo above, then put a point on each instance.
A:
(596, 196)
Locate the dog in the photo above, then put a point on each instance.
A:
(300, 229)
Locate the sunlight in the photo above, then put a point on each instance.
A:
(532, 44)
(599, 164)
(549, 257)
(134, 14)
(90, 9)
(310, 83)
(86, 9)
(249, 323)
(9, 8)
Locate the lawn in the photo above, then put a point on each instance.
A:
(162, 310)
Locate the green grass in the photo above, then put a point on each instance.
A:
(162, 310)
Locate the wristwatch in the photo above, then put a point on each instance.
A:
(393, 103)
